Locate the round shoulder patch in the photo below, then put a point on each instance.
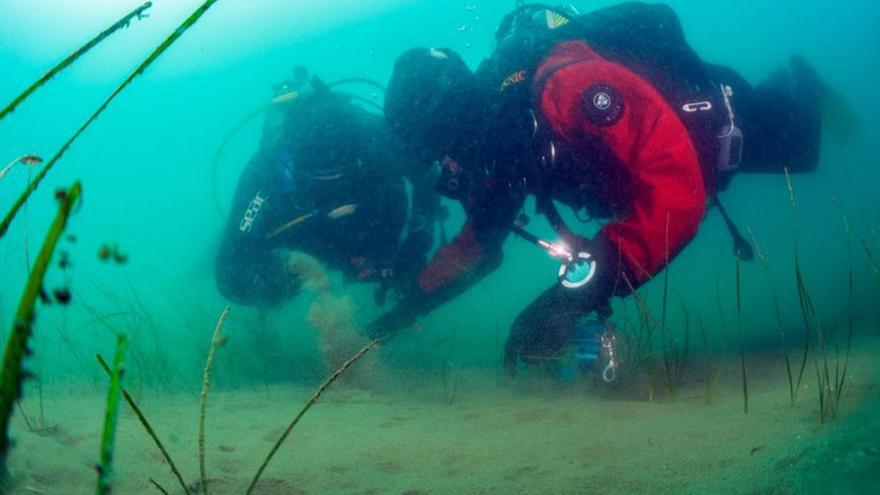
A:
(602, 104)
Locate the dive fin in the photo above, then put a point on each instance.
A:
(839, 117)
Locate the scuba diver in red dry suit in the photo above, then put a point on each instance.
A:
(611, 112)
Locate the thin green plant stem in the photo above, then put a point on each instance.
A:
(718, 304)
(111, 419)
(666, 274)
(820, 389)
(711, 376)
(766, 266)
(669, 351)
(32, 186)
(807, 315)
(17, 347)
(312, 401)
(804, 300)
(25, 240)
(216, 341)
(648, 322)
(147, 426)
(41, 419)
(24, 160)
(138, 13)
(839, 383)
(159, 487)
(820, 361)
(668, 346)
(686, 347)
(39, 380)
(872, 261)
(829, 390)
(742, 349)
(778, 313)
(24, 416)
(840, 378)
(707, 399)
(787, 358)
(450, 384)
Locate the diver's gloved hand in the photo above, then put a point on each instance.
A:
(413, 254)
(419, 235)
(412, 302)
(401, 274)
(544, 330)
(392, 277)
(388, 281)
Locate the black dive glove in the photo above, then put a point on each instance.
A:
(406, 266)
(544, 330)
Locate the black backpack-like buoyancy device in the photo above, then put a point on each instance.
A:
(645, 38)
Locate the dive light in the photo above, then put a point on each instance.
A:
(577, 268)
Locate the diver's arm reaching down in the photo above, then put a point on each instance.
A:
(474, 253)
(424, 207)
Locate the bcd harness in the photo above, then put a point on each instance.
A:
(646, 39)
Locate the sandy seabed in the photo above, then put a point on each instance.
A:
(476, 435)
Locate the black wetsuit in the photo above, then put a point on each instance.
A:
(366, 244)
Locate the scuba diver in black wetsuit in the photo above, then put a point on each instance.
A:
(327, 180)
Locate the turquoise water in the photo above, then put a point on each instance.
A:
(145, 165)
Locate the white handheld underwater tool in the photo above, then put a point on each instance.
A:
(577, 268)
